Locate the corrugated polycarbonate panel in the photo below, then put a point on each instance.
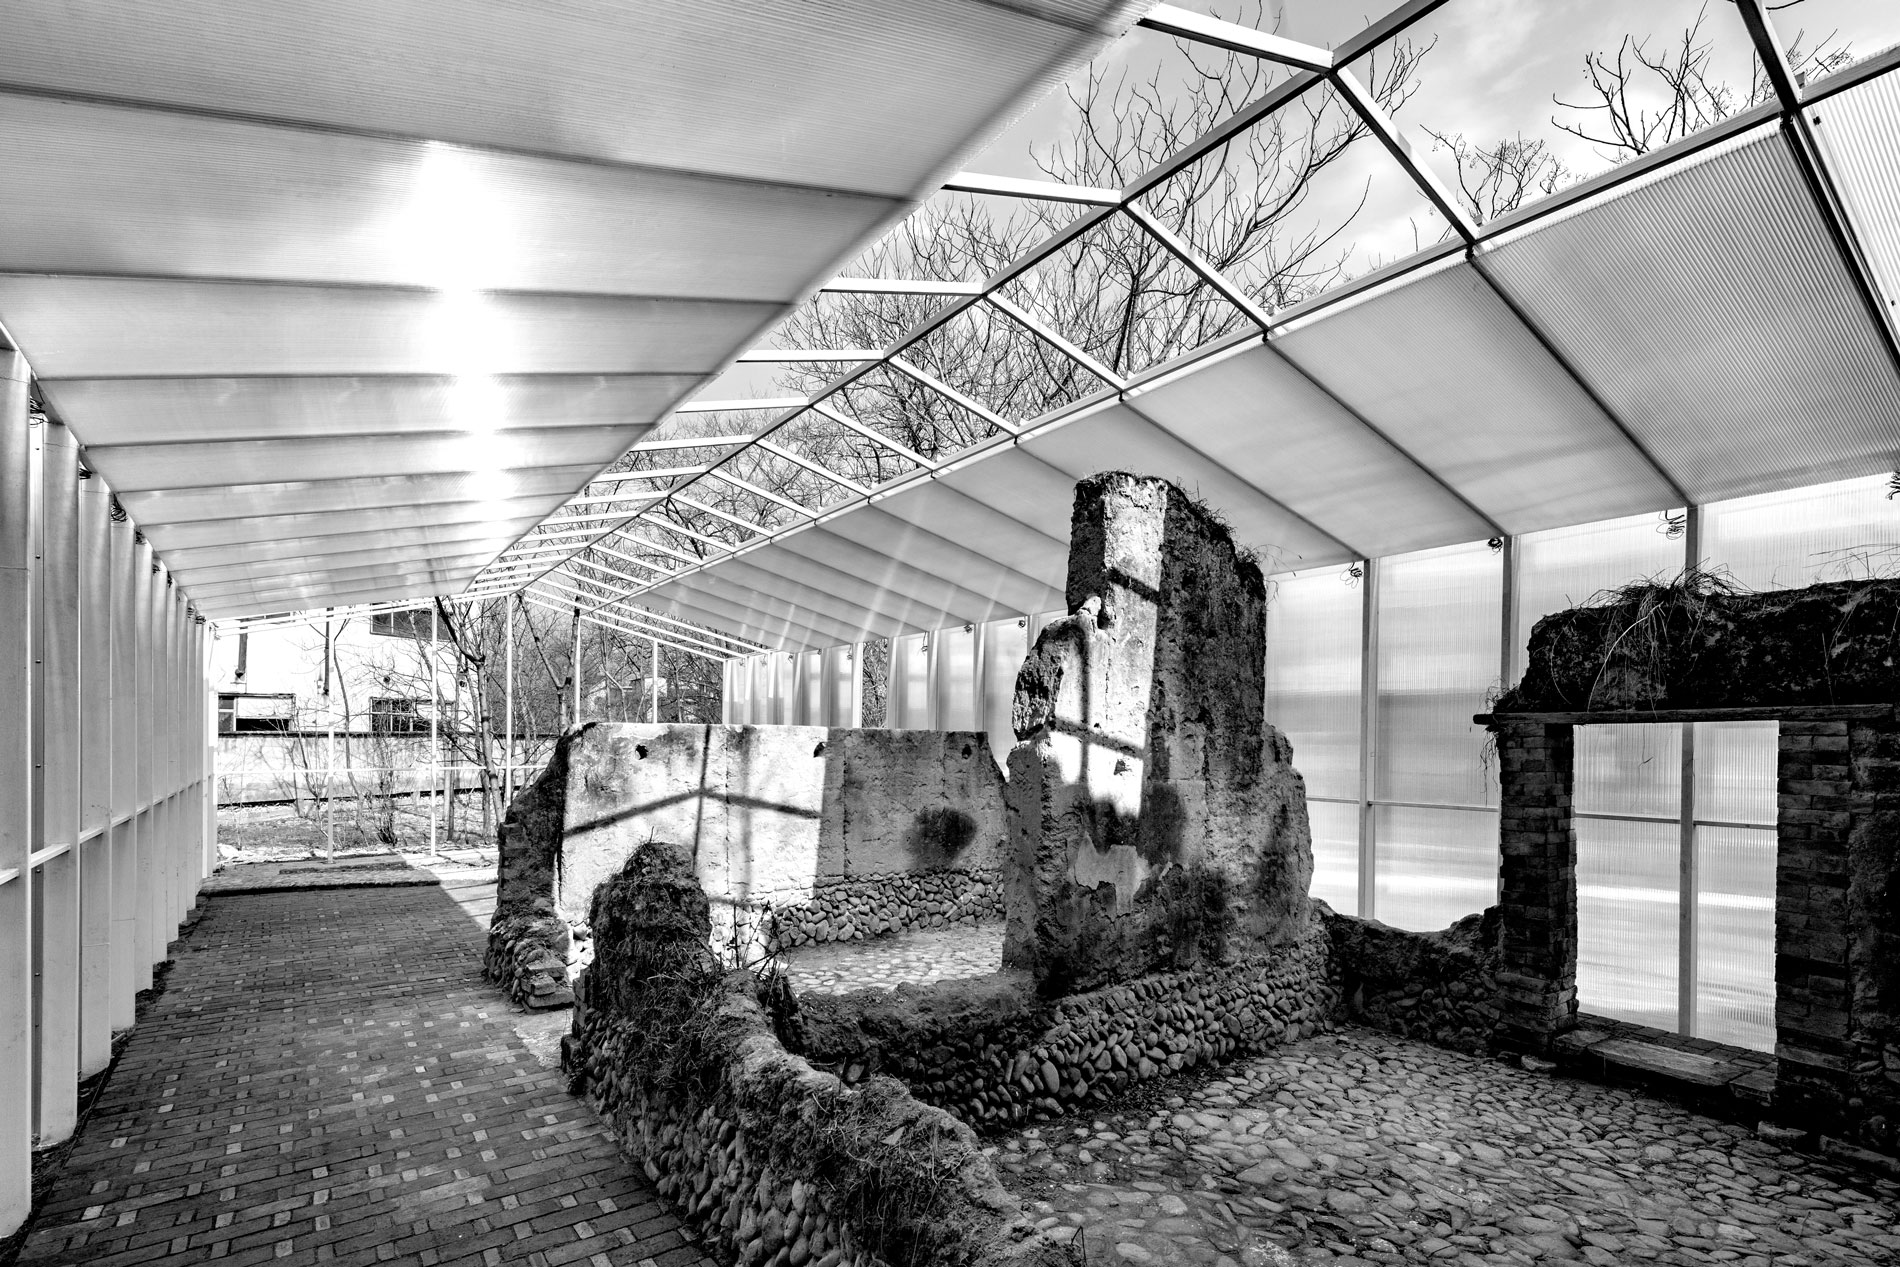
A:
(395, 559)
(502, 516)
(1567, 567)
(1120, 440)
(1434, 866)
(922, 562)
(298, 596)
(1740, 356)
(1005, 647)
(430, 564)
(1630, 769)
(316, 497)
(1735, 772)
(91, 327)
(704, 598)
(1735, 935)
(1439, 618)
(1444, 369)
(1263, 419)
(1860, 133)
(1627, 920)
(1847, 531)
(907, 707)
(334, 543)
(202, 464)
(1313, 677)
(813, 95)
(112, 189)
(126, 411)
(953, 677)
(987, 523)
(1335, 854)
(1030, 491)
(777, 574)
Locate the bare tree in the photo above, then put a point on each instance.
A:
(1637, 98)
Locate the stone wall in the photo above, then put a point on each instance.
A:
(769, 1160)
(995, 1050)
(834, 830)
(1837, 928)
(1156, 821)
(801, 834)
(1440, 987)
(530, 947)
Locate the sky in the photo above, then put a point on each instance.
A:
(1491, 74)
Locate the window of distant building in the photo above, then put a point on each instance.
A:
(402, 624)
(244, 714)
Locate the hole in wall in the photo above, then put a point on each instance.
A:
(819, 751)
(968, 749)
(641, 749)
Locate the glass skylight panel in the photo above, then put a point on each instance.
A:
(1510, 102)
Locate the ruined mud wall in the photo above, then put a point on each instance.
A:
(994, 1050)
(1693, 646)
(1440, 987)
(530, 948)
(841, 833)
(1156, 820)
(768, 1159)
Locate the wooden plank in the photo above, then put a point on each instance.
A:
(1634, 716)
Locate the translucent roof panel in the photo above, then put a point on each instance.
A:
(133, 410)
(1709, 309)
(1121, 440)
(127, 190)
(1860, 130)
(317, 497)
(1445, 371)
(102, 327)
(770, 91)
(1260, 415)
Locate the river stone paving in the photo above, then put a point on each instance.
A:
(914, 957)
(1358, 1147)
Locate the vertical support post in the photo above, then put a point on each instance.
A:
(124, 722)
(1507, 643)
(574, 674)
(16, 797)
(653, 706)
(1368, 739)
(329, 750)
(151, 948)
(57, 653)
(95, 776)
(508, 707)
(1687, 913)
(435, 728)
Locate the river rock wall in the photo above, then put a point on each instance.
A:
(1440, 987)
(768, 1159)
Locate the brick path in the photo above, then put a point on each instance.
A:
(328, 1079)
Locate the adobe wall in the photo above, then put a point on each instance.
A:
(1156, 821)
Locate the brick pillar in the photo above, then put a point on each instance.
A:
(1814, 818)
(1537, 973)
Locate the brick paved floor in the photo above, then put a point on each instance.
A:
(328, 1079)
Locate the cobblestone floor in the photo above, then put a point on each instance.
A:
(1361, 1148)
(932, 954)
(328, 1079)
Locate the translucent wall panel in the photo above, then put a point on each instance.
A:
(809, 709)
(1434, 865)
(1335, 854)
(784, 670)
(841, 686)
(1439, 628)
(1735, 935)
(953, 670)
(1634, 769)
(737, 698)
(1628, 879)
(907, 706)
(1565, 567)
(1313, 674)
(1735, 772)
(1005, 646)
(1829, 532)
